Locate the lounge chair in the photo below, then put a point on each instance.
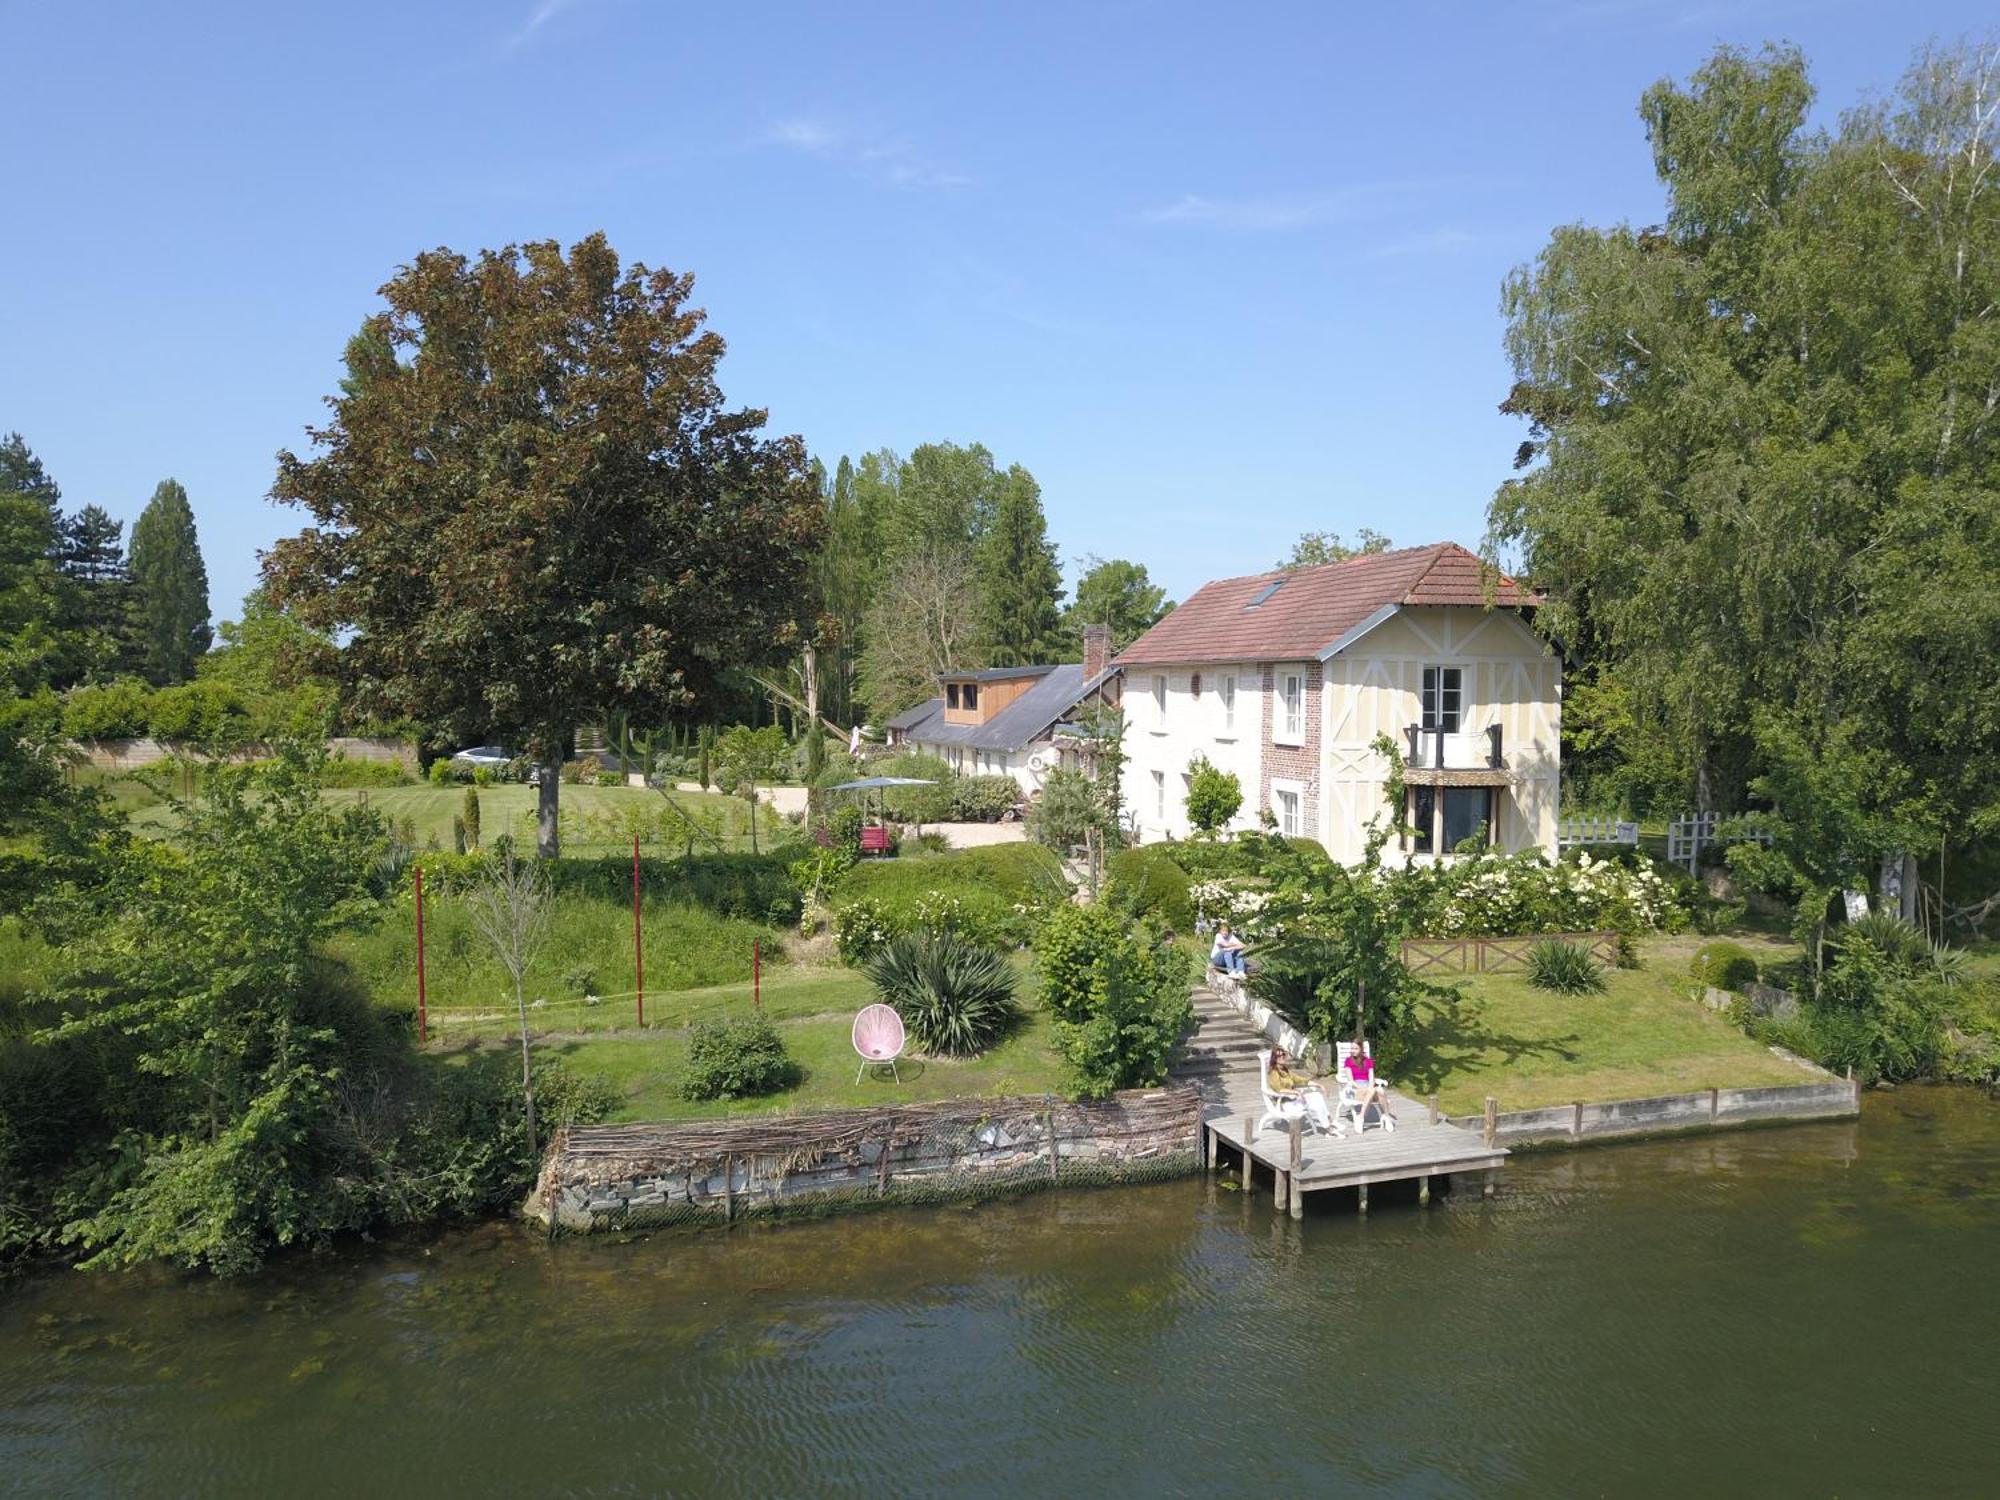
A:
(1285, 1107)
(1348, 1105)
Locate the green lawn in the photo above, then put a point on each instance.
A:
(595, 819)
(1644, 1035)
(646, 1067)
(789, 992)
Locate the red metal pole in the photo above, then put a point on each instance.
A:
(638, 943)
(423, 1030)
(757, 973)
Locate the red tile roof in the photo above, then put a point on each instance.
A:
(1314, 607)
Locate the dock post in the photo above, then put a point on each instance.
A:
(1214, 1146)
(1281, 1183)
(1576, 1120)
(1486, 1191)
(1295, 1154)
(1492, 1119)
(1362, 1201)
(1424, 1191)
(1434, 1109)
(1249, 1122)
(1714, 1104)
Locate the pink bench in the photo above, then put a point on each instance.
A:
(875, 840)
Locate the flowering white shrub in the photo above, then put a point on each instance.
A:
(1237, 902)
(1526, 893)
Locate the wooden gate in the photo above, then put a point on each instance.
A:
(1497, 955)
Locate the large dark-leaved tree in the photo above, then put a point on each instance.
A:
(531, 506)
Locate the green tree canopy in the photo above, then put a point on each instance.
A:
(1761, 485)
(169, 587)
(531, 506)
(1316, 547)
(1119, 594)
(1020, 583)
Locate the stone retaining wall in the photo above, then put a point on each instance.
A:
(1275, 1028)
(135, 755)
(635, 1176)
(1561, 1124)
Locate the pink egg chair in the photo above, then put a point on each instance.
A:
(878, 1037)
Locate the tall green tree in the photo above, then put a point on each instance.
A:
(169, 587)
(1020, 583)
(531, 506)
(1119, 594)
(32, 600)
(1761, 485)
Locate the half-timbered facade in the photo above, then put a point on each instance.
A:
(1291, 679)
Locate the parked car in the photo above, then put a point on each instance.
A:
(494, 758)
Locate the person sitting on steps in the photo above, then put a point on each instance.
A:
(1226, 954)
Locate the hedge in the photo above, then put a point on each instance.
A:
(1148, 880)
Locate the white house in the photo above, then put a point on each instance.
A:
(1287, 679)
(1008, 721)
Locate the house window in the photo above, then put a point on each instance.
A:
(1194, 687)
(1160, 702)
(1160, 797)
(1468, 812)
(1423, 819)
(1292, 707)
(1287, 808)
(971, 695)
(951, 695)
(1442, 699)
(1227, 693)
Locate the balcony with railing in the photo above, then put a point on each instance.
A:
(1439, 750)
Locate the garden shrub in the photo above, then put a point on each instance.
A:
(1724, 966)
(917, 804)
(1214, 796)
(1018, 872)
(1564, 968)
(1146, 881)
(340, 772)
(1120, 996)
(932, 842)
(862, 925)
(983, 799)
(116, 710)
(956, 997)
(737, 1059)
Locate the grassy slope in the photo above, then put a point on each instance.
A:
(646, 1068)
(1645, 1035)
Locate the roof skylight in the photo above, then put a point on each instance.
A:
(1264, 593)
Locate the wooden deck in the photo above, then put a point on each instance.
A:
(1221, 1061)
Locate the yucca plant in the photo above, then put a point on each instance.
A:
(1905, 947)
(1565, 968)
(955, 997)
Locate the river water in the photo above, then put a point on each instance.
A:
(1811, 1310)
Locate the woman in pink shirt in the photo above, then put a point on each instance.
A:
(1368, 1088)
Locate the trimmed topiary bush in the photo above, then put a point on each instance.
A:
(736, 1060)
(983, 799)
(956, 997)
(1148, 881)
(1724, 966)
(1565, 968)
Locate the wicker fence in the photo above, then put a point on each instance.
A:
(1496, 955)
(640, 1176)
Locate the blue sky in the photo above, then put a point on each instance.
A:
(1216, 274)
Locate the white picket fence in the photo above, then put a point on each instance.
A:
(1687, 835)
(1579, 833)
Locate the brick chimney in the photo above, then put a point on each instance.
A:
(1096, 650)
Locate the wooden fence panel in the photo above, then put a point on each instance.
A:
(1496, 955)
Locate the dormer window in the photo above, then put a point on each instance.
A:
(951, 695)
(969, 696)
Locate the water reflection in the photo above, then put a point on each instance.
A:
(1765, 1310)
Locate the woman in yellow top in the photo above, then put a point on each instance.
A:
(1287, 1084)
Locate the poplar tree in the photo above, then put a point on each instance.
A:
(1020, 584)
(169, 587)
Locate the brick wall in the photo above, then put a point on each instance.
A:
(1300, 763)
